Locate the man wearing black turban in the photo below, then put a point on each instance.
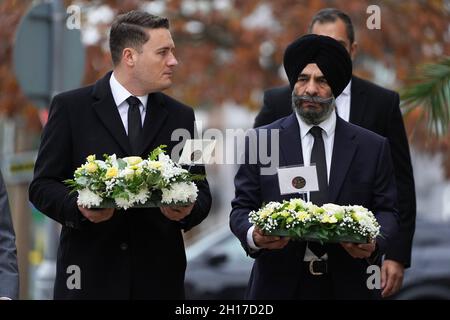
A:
(329, 55)
(330, 59)
(372, 107)
(353, 168)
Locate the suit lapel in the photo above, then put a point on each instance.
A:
(343, 151)
(155, 117)
(107, 111)
(290, 143)
(357, 102)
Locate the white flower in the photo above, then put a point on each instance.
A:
(112, 160)
(141, 197)
(143, 164)
(88, 199)
(365, 221)
(273, 205)
(180, 192)
(123, 203)
(168, 168)
(155, 165)
(132, 161)
(127, 173)
(101, 164)
(332, 208)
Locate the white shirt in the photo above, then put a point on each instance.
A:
(120, 95)
(328, 129)
(343, 103)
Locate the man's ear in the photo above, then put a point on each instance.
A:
(353, 49)
(129, 57)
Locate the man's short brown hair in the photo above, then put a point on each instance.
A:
(128, 31)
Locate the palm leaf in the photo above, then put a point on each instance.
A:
(431, 91)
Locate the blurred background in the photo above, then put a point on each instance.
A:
(229, 51)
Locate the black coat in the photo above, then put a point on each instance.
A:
(138, 253)
(377, 109)
(361, 173)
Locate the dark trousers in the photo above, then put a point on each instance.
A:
(325, 287)
(314, 287)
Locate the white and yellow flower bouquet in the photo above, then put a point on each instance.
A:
(133, 182)
(306, 221)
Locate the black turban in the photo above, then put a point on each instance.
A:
(330, 56)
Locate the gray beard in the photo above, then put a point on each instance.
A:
(313, 117)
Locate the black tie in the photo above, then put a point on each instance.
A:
(318, 158)
(134, 124)
(319, 197)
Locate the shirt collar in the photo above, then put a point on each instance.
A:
(346, 91)
(120, 93)
(328, 125)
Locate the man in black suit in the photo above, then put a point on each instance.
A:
(377, 109)
(353, 167)
(117, 254)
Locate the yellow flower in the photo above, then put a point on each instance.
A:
(91, 167)
(134, 167)
(297, 202)
(291, 206)
(339, 215)
(303, 215)
(316, 210)
(111, 173)
(139, 171)
(356, 216)
(284, 214)
(132, 161)
(328, 219)
(91, 158)
(156, 165)
(264, 213)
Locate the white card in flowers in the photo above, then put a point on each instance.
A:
(298, 179)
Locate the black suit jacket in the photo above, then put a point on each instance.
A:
(138, 253)
(377, 109)
(361, 173)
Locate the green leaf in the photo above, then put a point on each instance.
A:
(197, 177)
(431, 91)
(156, 152)
(121, 164)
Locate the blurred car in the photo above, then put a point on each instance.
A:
(219, 269)
(429, 276)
